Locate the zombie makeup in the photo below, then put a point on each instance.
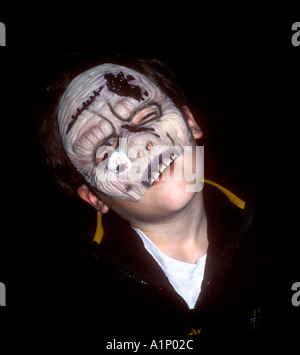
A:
(120, 130)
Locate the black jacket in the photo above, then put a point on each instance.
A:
(130, 295)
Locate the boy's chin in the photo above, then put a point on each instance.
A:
(169, 195)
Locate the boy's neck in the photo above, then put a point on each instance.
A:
(183, 236)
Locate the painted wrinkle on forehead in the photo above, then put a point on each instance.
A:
(118, 84)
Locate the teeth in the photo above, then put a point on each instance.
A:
(155, 175)
(167, 161)
(162, 161)
(161, 168)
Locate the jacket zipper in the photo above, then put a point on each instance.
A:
(141, 281)
(226, 262)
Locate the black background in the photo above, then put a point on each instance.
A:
(241, 73)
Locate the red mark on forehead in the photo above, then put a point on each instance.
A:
(119, 84)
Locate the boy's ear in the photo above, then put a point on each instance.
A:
(195, 128)
(88, 196)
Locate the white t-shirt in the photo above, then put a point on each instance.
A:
(186, 278)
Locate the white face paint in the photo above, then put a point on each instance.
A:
(120, 130)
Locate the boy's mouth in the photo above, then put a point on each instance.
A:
(162, 178)
(158, 165)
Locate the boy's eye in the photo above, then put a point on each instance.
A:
(146, 114)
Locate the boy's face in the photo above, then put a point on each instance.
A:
(121, 131)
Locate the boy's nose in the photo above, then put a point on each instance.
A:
(118, 162)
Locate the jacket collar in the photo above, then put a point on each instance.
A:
(124, 251)
(118, 245)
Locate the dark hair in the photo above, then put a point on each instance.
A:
(64, 174)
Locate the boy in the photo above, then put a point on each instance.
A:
(172, 258)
